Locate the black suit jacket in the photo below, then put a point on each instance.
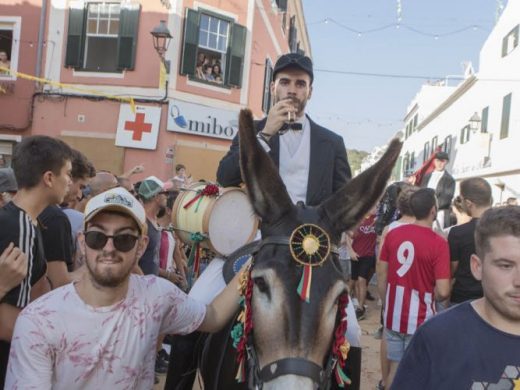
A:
(444, 191)
(328, 168)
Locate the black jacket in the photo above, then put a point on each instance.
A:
(444, 191)
(328, 168)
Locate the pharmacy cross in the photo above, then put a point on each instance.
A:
(138, 127)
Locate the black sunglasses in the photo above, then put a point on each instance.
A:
(122, 242)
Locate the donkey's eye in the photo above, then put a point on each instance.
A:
(261, 284)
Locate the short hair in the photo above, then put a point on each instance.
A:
(403, 200)
(476, 190)
(81, 167)
(511, 200)
(495, 222)
(422, 201)
(178, 167)
(38, 154)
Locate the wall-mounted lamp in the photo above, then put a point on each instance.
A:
(474, 122)
(161, 40)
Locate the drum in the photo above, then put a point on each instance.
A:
(226, 219)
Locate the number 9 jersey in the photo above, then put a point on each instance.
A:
(416, 257)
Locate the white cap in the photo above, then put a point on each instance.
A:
(120, 200)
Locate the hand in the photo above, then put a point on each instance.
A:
(354, 256)
(138, 169)
(13, 268)
(278, 116)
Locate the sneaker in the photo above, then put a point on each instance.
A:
(360, 313)
(163, 355)
(378, 334)
(160, 366)
(370, 297)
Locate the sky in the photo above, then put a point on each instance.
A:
(366, 110)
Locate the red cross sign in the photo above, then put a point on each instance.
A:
(138, 127)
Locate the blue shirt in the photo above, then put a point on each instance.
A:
(457, 349)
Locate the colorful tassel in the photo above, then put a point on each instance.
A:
(341, 377)
(304, 287)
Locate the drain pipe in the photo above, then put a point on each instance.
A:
(41, 32)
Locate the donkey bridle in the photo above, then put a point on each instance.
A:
(287, 366)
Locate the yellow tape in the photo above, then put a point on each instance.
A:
(25, 76)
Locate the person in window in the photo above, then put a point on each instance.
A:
(217, 74)
(208, 73)
(201, 60)
(4, 61)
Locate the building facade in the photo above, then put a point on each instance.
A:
(477, 121)
(104, 89)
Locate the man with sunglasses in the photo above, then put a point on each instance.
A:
(100, 332)
(312, 160)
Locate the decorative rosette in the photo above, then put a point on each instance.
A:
(310, 246)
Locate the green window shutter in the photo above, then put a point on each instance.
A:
(282, 5)
(506, 114)
(75, 38)
(484, 123)
(128, 31)
(268, 75)
(236, 52)
(191, 42)
(504, 46)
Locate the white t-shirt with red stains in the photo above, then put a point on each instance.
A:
(60, 342)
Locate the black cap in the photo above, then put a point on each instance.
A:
(442, 156)
(294, 60)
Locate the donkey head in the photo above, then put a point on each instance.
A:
(285, 326)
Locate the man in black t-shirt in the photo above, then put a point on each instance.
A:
(476, 199)
(42, 168)
(475, 345)
(56, 229)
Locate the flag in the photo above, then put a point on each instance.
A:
(426, 168)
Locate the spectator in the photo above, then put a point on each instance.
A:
(102, 330)
(476, 197)
(42, 168)
(512, 201)
(217, 74)
(444, 186)
(413, 271)
(8, 186)
(475, 344)
(181, 179)
(57, 233)
(208, 73)
(4, 61)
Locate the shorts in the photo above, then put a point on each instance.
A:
(396, 344)
(363, 267)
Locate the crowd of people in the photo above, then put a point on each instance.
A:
(93, 277)
(209, 68)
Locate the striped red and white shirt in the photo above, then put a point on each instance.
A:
(416, 257)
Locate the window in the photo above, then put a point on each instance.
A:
(406, 164)
(281, 4)
(102, 36)
(9, 46)
(435, 141)
(484, 122)
(293, 35)
(510, 41)
(268, 76)
(213, 48)
(426, 151)
(446, 145)
(412, 161)
(6, 153)
(414, 122)
(506, 114)
(464, 134)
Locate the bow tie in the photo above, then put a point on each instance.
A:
(290, 126)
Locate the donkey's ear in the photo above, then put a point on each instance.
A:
(352, 202)
(265, 187)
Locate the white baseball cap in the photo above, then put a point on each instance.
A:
(120, 200)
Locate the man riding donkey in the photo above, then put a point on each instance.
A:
(291, 331)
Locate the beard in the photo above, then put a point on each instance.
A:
(299, 105)
(162, 212)
(110, 275)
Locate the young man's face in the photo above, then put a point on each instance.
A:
(294, 84)
(440, 164)
(110, 266)
(75, 193)
(3, 56)
(499, 272)
(62, 183)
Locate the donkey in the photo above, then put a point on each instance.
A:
(291, 339)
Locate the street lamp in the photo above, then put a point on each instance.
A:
(161, 40)
(474, 122)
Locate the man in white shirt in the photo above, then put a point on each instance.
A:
(100, 332)
(443, 184)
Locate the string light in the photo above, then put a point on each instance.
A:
(397, 25)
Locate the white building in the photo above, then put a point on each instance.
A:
(478, 121)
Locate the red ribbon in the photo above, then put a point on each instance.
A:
(209, 190)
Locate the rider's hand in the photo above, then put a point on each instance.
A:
(278, 115)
